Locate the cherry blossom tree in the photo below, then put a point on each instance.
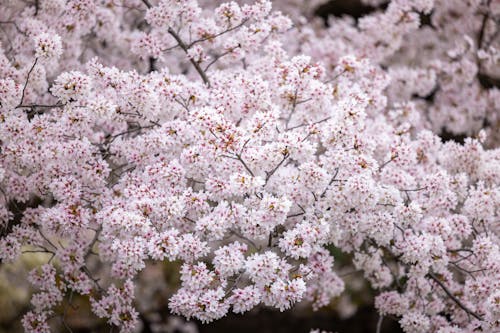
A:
(244, 143)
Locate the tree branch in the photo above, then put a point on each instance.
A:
(185, 48)
(455, 299)
(26, 83)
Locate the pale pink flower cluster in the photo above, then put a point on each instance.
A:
(246, 149)
(48, 46)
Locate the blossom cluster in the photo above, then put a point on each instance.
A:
(249, 146)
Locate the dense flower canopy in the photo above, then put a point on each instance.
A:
(245, 141)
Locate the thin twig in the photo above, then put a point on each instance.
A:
(216, 58)
(271, 173)
(393, 157)
(237, 234)
(217, 35)
(147, 3)
(26, 83)
(185, 48)
(314, 123)
(238, 157)
(456, 300)
(480, 37)
(330, 183)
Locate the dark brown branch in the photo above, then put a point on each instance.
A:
(450, 294)
(238, 157)
(270, 173)
(185, 48)
(314, 123)
(216, 58)
(217, 35)
(41, 106)
(26, 83)
(393, 157)
(379, 324)
(486, 16)
(147, 3)
(330, 183)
